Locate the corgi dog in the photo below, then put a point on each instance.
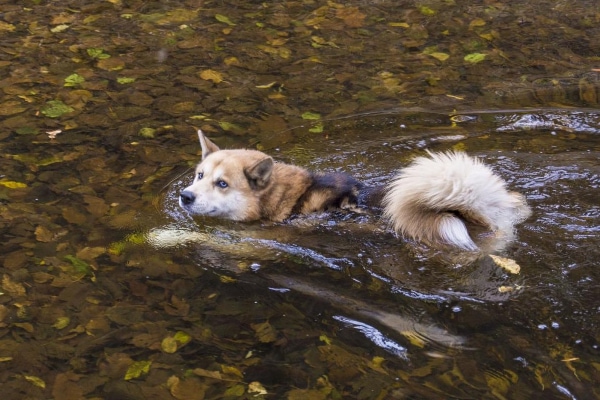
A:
(442, 199)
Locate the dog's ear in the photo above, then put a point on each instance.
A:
(258, 175)
(207, 146)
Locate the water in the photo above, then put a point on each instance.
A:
(103, 274)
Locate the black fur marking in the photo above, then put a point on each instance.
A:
(334, 191)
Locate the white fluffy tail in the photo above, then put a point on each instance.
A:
(436, 198)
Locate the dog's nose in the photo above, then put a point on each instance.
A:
(186, 197)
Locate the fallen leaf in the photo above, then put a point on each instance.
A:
(137, 369)
(61, 323)
(39, 382)
(257, 387)
(265, 332)
(508, 264)
(13, 288)
(211, 75)
(224, 19)
(13, 184)
(474, 58)
(55, 108)
(311, 115)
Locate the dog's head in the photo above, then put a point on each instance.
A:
(227, 183)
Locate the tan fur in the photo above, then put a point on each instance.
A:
(441, 199)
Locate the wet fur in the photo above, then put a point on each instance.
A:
(443, 199)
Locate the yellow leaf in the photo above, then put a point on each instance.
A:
(508, 264)
(169, 345)
(13, 184)
(476, 22)
(137, 369)
(36, 381)
(232, 371)
(6, 27)
(61, 322)
(414, 339)
(256, 387)
(399, 24)
(266, 86)
(232, 61)
(505, 289)
(325, 339)
(182, 337)
(377, 361)
(211, 75)
(284, 53)
(440, 56)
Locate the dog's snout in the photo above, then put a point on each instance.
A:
(186, 197)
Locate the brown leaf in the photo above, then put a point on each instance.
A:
(265, 332)
(211, 75)
(351, 16)
(177, 307)
(187, 389)
(43, 234)
(13, 288)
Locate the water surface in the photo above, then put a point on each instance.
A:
(109, 290)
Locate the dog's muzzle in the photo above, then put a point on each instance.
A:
(186, 198)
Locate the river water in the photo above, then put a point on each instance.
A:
(109, 290)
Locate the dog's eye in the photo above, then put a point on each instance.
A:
(200, 175)
(221, 183)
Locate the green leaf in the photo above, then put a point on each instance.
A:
(228, 126)
(137, 369)
(474, 58)
(182, 337)
(97, 53)
(147, 133)
(74, 80)
(426, 11)
(80, 266)
(318, 128)
(27, 130)
(224, 19)
(56, 108)
(311, 115)
(124, 80)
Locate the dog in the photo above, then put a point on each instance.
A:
(443, 199)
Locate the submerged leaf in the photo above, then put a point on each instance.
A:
(257, 387)
(61, 323)
(508, 264)
(137, 369)
(56, 108)
(97, 53)
(124, 80)
(211, 75)
(73, 80)
(318, 128)
(35, 381)
(13, 184)
(474, 58)
(80, 266)
(169, 345)
(224, 19)
(311, 115)
(4, 26)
